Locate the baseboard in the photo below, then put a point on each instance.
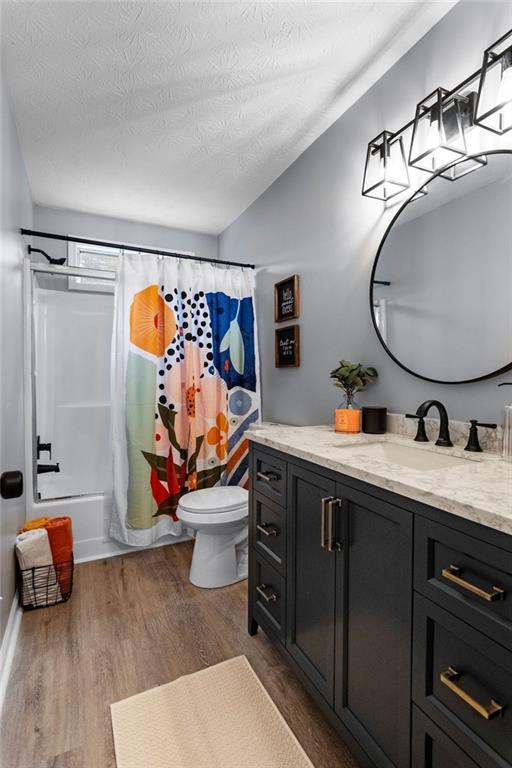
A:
(99, 549)
(8, 646)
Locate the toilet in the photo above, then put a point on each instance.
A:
(219, 518)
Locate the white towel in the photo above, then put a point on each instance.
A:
(33, 550)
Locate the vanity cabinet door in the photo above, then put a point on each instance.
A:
(374, 625)
(310, 584)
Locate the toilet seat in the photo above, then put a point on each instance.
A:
(211, 506)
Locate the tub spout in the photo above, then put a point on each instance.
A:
(42, 469)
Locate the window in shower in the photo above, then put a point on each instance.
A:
(71, 344)
(92, 257)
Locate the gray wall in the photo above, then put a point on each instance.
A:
(59, 221)
(314, 221)
(16, 211)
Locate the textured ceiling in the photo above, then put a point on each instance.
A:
(183, 113)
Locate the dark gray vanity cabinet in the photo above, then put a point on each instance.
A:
(373, 627)
(375, 599)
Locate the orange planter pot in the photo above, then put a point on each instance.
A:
(347, 420)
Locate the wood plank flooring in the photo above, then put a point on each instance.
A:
(134, 622)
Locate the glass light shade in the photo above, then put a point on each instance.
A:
(463, 167)
(438, 135)
(421, 192)
(494, 101)
(385, 172)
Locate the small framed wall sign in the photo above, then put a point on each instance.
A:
(287, 299)
(288, 347)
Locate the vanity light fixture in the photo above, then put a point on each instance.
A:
(441, 121)
(494, 101)
(438, 135)
(385, 171)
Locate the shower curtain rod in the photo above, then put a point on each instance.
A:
(123, 247)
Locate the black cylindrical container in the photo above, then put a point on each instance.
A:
(374, 418)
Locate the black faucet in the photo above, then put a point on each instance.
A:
(421, 413)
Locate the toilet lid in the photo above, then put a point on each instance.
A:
(225, 498)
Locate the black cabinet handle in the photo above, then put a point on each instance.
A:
(266, 593)
(267, 529)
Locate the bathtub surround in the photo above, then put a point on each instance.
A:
(314, 221)
(16, 211)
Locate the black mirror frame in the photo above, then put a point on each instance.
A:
(498, 372)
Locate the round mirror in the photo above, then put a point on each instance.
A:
(441, 285)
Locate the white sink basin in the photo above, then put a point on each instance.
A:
(410, 457)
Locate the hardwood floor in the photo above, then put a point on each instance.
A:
(134, 622)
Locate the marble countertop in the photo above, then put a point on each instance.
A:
(480, 489)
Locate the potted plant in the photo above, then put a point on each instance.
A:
(351, 378)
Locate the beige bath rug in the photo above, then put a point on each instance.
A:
(220, 717)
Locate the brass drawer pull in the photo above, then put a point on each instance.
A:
(488, 711)
(266, 593)
(267, 529)
(454, 573)
(268, 477)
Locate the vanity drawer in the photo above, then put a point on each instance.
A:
(269, 476)
(463, 681)
(466, 576)
(431, 748)
(268, 595)
(268, 530)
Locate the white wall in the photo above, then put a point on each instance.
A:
(63, 222)
(16, 212)
(314, 221)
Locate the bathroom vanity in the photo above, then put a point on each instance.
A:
(383, 571)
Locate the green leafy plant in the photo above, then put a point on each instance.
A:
(352, 378)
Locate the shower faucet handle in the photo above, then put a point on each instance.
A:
(43, 448)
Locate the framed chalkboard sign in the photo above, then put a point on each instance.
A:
(287, 299)
(287, 348)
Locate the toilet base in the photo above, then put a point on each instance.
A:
(219, 559)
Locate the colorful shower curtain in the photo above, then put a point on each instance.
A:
(185, 387)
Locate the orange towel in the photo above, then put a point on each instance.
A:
(61, 538)
(36, 522)
(60, 535)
